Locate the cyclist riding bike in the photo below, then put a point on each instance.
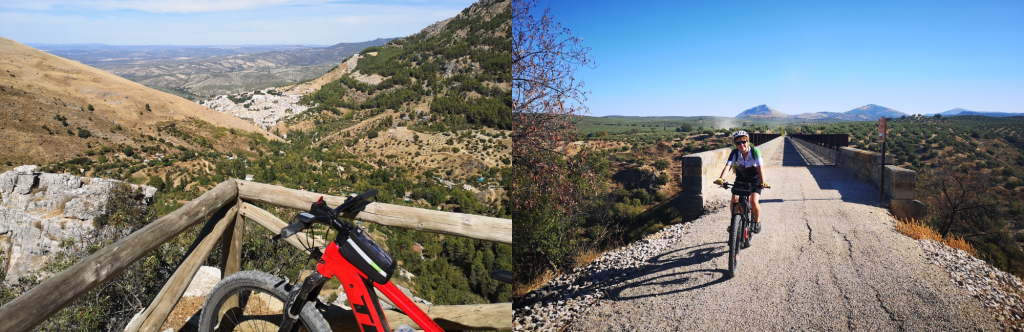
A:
(749, 169)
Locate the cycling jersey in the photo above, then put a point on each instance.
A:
(746, 164)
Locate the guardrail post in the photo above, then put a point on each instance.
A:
(154, 316)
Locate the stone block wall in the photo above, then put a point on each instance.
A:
(700, 170)
(900, 187)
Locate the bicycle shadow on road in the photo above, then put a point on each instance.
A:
(654, 274)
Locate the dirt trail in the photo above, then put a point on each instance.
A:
(828, 258)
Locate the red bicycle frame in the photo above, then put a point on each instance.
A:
(365, 304)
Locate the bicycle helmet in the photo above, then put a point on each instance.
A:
(739, 134)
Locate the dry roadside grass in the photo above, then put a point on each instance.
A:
(522, 289)
(917, 230)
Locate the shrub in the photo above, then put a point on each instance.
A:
(661, 164)
(90, 108)
(128, 151)
(84, 133)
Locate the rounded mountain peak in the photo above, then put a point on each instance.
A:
(762, 111)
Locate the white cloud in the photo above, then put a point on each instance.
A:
(155, 6)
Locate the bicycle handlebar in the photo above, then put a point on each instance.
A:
(727, 184)
(319, 212)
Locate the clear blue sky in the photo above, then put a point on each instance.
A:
(217, 22)
(719, 58)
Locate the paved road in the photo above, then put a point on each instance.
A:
(827, 259)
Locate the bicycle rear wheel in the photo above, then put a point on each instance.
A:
(735, 233)
(254, 301)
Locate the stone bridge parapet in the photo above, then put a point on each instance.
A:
(900, 187)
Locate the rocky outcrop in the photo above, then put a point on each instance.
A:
(40, 210)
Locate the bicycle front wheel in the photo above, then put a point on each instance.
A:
(735, 233)
(254, 301)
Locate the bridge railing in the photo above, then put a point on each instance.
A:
(225, 207)
(758, 138)
(830, 141)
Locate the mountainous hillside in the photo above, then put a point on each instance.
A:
(232, 73)
(863, 113)
(762, 112)
(424, 120)
(446, 88)
(53, 110)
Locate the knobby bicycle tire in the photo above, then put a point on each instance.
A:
(255, 289)
(735, 230)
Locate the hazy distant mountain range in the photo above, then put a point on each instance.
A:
(863, 113)
(960, 111)
(867, 112)
(204, 71)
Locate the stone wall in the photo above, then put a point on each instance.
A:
(39, 210)
(900, 185)
(700, 170)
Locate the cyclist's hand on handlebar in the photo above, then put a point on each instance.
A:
(719, 181)
(765, 185)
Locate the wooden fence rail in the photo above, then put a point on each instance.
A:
(467, 225)
(226, 207)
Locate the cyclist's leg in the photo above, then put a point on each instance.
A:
(734, 206)
(755, 206)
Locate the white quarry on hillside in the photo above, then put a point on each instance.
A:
(39, 210)
(265, 107)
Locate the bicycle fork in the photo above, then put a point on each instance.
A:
(312, 285)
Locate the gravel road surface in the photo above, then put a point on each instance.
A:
(827, 259)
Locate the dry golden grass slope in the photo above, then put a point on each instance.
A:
(36, 86)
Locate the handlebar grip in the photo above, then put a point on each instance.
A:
(293, 229)
(503, 276)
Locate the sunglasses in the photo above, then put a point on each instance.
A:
(741, 142)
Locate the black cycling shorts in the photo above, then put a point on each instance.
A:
(756, 181)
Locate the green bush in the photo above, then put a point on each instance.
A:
(661, 164)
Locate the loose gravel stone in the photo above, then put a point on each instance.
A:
(998, 291)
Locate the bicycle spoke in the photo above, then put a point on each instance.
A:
(257, 312)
